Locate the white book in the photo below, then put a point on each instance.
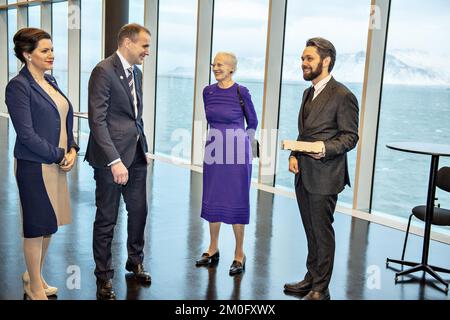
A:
(301, 146)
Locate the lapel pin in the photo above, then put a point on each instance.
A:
(121, 77)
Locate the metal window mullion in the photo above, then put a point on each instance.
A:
(22, 15)
(205, 18)
(3, 56)
(370, 104)
(272, 92)
(151, 9)
(74, 56)
(46, 17)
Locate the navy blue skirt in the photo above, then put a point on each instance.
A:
(39, 216)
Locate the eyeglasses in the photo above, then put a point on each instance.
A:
(219, 65)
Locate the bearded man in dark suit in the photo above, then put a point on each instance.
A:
(329, 118)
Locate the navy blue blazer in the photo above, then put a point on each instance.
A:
(36, 120)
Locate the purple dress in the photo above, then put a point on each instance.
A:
(227, 166)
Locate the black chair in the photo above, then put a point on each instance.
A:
(441, 217)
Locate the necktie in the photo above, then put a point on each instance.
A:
(130, 79)
(308, 104)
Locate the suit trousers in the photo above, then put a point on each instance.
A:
(317, 211)
(107, 200)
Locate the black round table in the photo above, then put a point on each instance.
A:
(435, 151)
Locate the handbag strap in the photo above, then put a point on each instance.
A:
(241, 102)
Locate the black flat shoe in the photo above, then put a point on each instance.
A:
(237, 267)
(206, 259)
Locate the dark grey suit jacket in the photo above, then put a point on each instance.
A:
(334, 121)
(114, 127)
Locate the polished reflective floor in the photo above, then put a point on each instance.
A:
(176, 236)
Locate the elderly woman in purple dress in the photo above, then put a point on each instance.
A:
(227, 167)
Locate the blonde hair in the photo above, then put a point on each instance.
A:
(231, 56)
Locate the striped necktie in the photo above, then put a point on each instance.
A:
(130, 79)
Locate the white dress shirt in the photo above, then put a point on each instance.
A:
(319, 86)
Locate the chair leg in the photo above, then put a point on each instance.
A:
(406, 236)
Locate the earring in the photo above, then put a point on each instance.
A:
(29, 58)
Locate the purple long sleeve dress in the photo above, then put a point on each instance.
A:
(227, 166)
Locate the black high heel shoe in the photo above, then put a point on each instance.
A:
(237, 267)
(206, 259)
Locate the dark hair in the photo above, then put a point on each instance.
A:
(130, 31)
(325, 49)
(26, 40)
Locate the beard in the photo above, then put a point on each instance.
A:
(314, 73)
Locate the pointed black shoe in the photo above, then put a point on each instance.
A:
(105, 290)
(206, 259)
(139, 272)
(237, 267)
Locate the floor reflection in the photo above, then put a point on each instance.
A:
(357, 262)
(134, 287)
(236, 293)
(211, 288)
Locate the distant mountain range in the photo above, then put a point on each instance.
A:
(410, 67)
(401, 67)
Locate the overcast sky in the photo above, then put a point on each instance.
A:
(241, 26)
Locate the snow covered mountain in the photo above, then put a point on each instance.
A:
(411, 67)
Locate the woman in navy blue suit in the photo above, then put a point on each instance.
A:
(44, 152)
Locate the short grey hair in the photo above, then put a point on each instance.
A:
(230, 55)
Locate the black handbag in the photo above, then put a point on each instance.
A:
(256, 142)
